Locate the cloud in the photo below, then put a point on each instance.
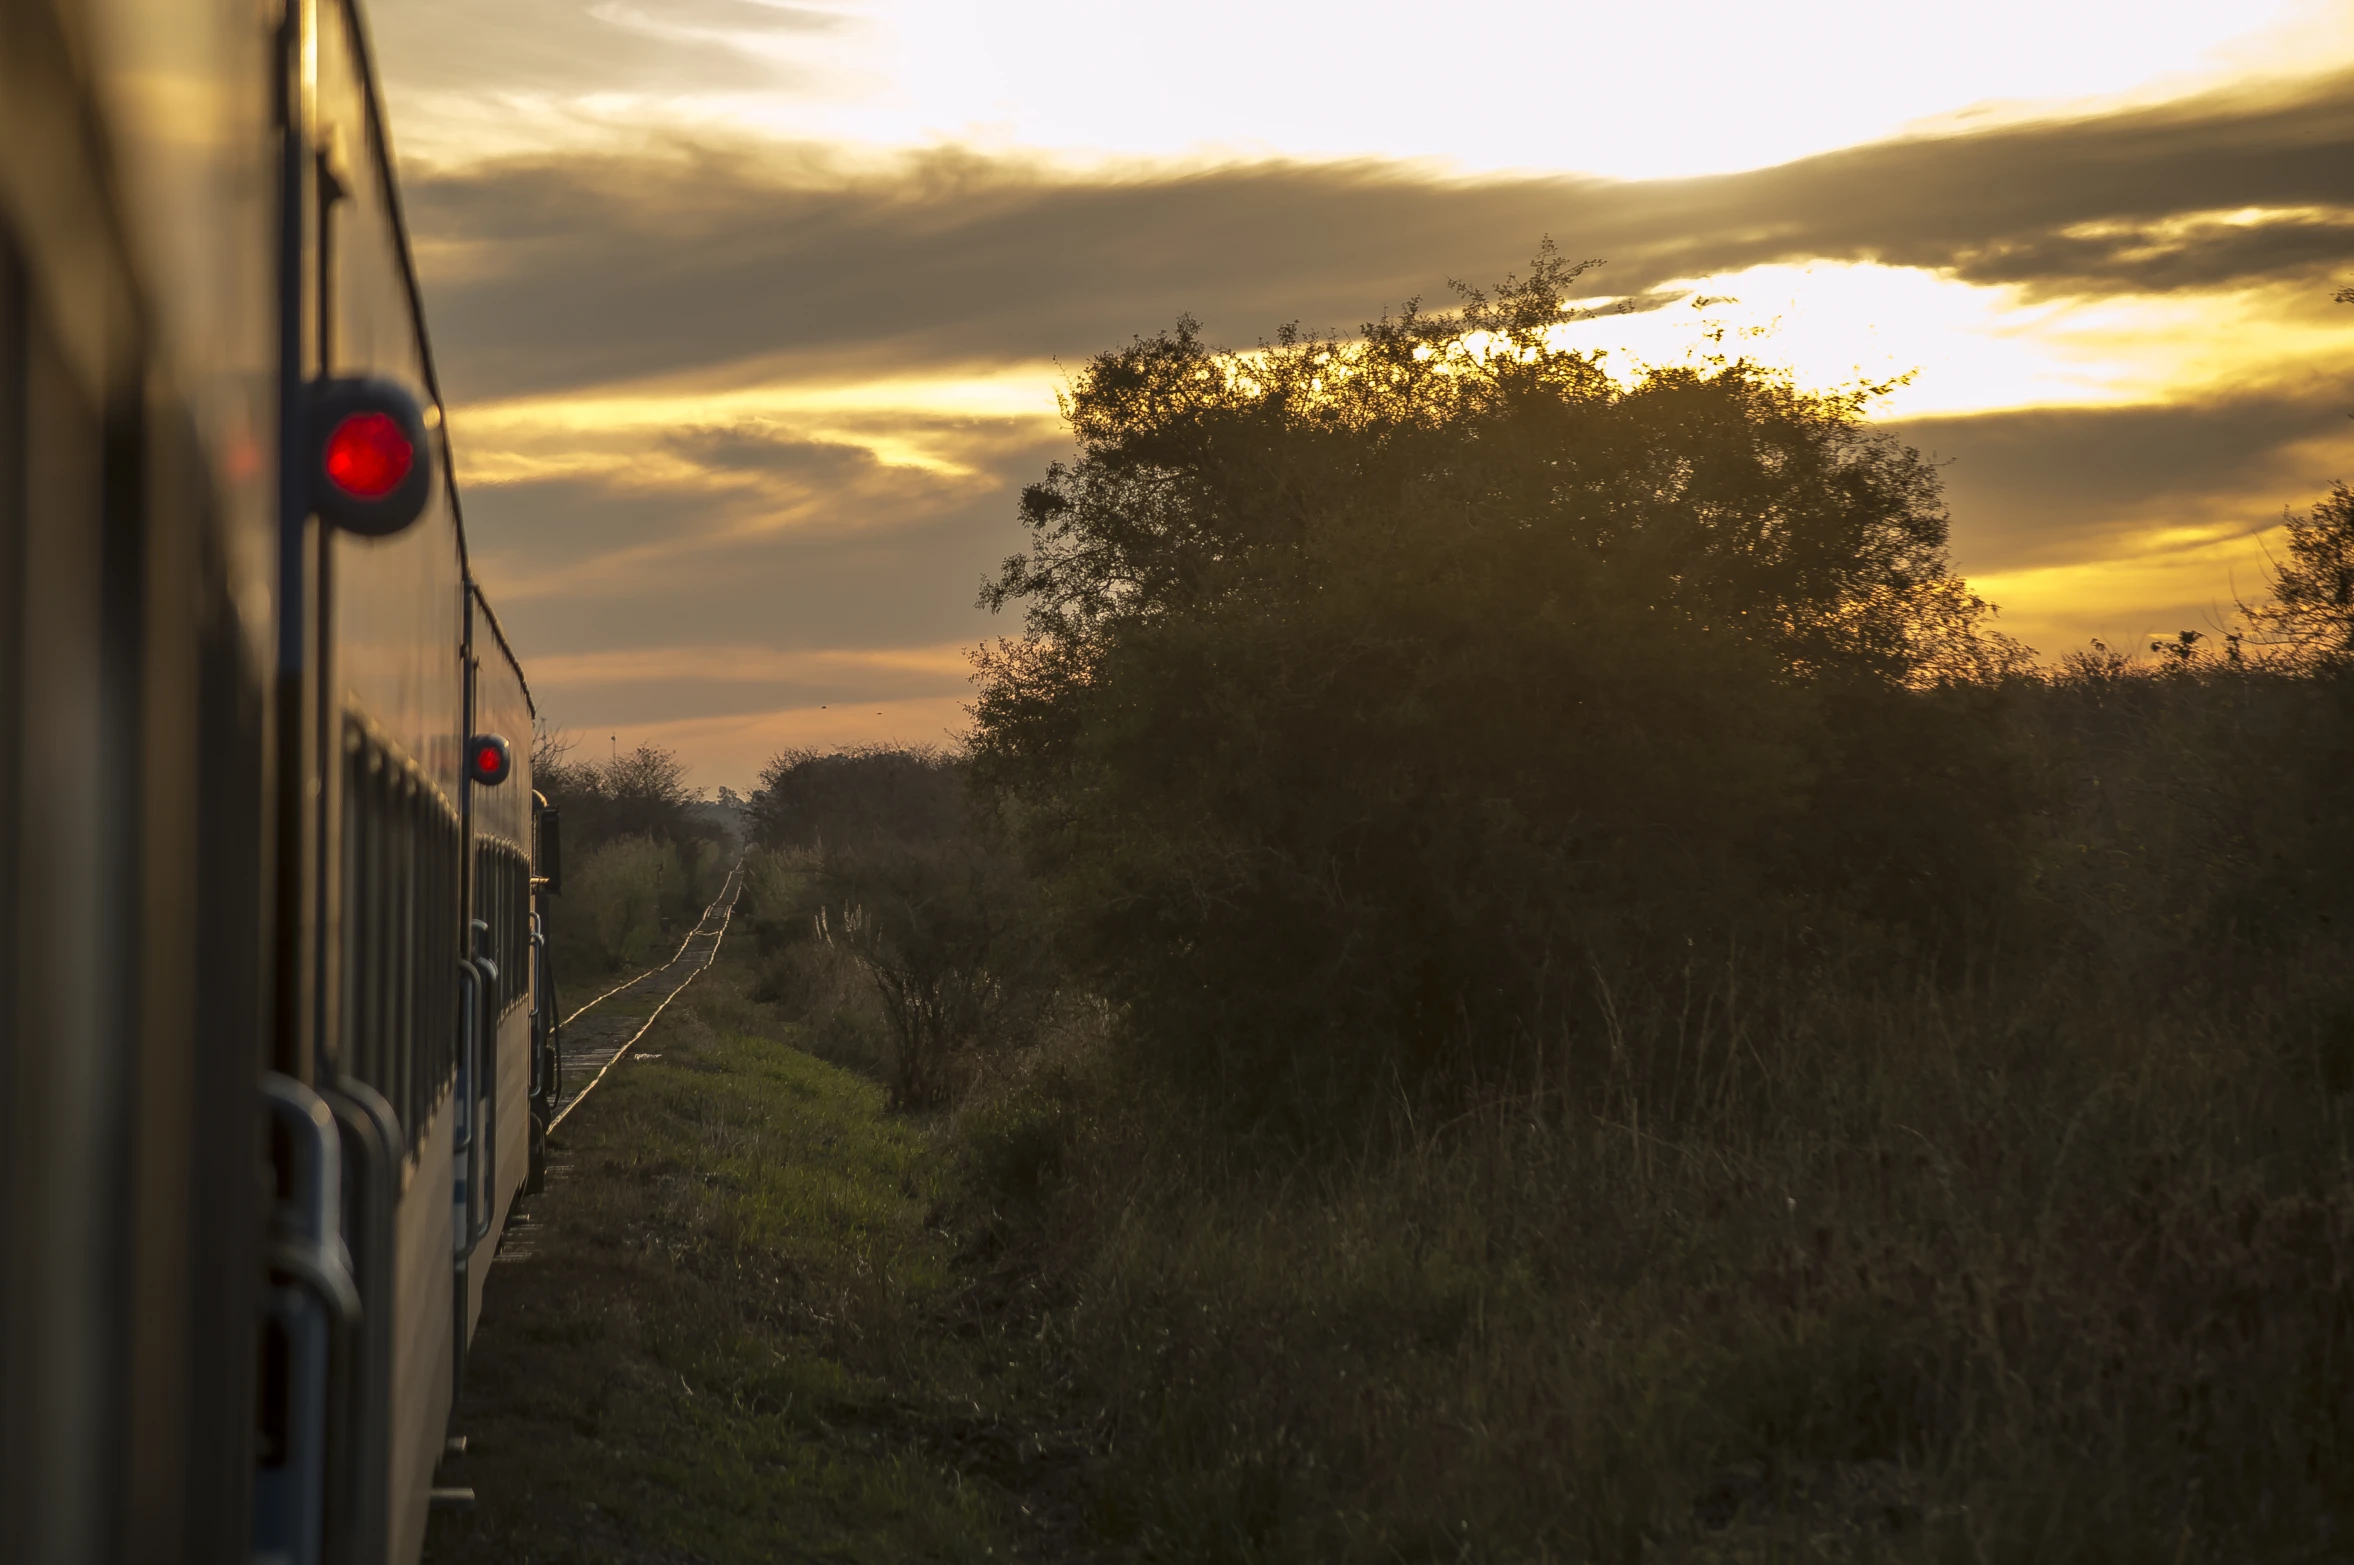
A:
(2218, 189)
(740, 428)
(683, 681)
(565, 47)
(614, 513)
(585, 268)
(2125, 523)
(756, 448)
(2041, 486)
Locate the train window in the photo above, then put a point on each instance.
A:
(401, 901)
(502, 901)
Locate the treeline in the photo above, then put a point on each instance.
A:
(1534, 978)
(644, 853)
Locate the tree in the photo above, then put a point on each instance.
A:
(1371, 692)
(2311, 610)
(923, 896)
(646, 795)
(808, 798)
(944, 931)
(641, 794)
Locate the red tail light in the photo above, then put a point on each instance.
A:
(488, 760)
(371, 462)
(368, 455)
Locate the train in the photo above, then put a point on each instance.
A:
(277, 1040)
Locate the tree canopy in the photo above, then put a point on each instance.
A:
(643, 793)
(1367, 687)
(811, 798)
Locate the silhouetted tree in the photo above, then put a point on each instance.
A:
(641, 794)
(930, 903)
(809, 797)
(1374, 694)
(2311, 608)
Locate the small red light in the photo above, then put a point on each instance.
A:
(368, 455)
(488, 761)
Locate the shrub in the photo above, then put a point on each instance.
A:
(615, 900)
(871, 860)
(777, 905)
(811, 798)
(947, 938)
(1380, 704)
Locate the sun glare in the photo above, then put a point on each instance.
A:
(1960, 347)
(1676, 88)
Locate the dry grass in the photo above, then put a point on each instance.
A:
(1924, 1277)
(1917, 1278)
(1789, 1261)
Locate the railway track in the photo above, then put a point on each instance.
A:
(598, 1035)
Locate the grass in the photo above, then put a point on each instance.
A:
(1920, 1277)
(737, 1330)
(1793, 1265)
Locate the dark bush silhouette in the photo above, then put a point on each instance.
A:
(2310, 612)
(1380, 702)
(897, 874)
(641, 796)
(810, 797)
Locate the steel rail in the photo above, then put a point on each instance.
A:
(727, 916)
(724, 885)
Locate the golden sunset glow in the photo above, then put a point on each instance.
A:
(754, 316)
(1965, 348)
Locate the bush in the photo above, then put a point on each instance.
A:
(778, 902)
(872, 860)
(1381, 706)
(810, 798)
(641, 798)
(947, 938)
(615, 898)
(1762, 1073)
(2195, 830)
(641, 794)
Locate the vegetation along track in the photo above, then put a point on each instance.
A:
(595, 1037)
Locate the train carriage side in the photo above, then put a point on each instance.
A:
(242, 861)
(382, 725)
(137, 550)
(501, 818)
(425, 861)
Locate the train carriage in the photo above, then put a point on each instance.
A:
(269, 1041)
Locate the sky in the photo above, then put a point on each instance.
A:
(751, 314)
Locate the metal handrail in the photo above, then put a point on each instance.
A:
(359, 1498)
(307, 1238)
(469, 1131)
(312, 1314)
(486, 1136)
(547, 1050)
